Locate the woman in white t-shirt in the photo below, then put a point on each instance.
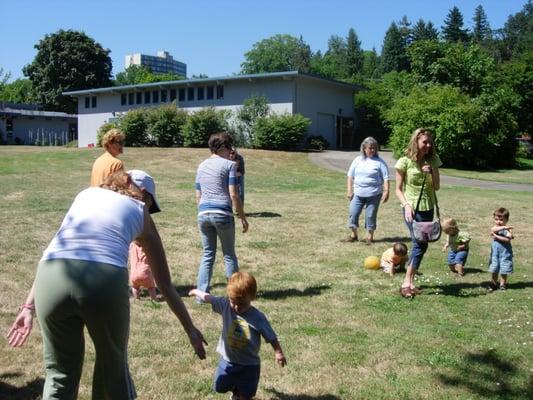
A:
(82, 282)
(367, 185)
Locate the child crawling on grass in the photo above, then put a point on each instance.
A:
(240, 340)
(393, 260)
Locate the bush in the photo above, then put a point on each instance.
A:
(253, 108)
(102, 131)
(280, 132)
(165, 125)
(134, 124)
(201, 124)
(316, 143)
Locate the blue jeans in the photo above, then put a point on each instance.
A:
(239, 379)
(356, 207)
(213, 225)
(419, 248)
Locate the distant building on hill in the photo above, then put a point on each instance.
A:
(28, 124)
(329, 104)
(163, 63)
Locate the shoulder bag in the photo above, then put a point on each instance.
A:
(427, 231)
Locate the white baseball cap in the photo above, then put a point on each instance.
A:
(146, 182)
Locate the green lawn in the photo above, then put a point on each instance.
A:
(346, 331)
(522, 174)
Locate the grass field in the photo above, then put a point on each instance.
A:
(523, 174)
(346, 332)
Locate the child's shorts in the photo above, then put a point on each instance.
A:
(239, 379)
(501, 260)
(457, 257)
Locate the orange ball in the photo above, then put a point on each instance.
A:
(371, 262)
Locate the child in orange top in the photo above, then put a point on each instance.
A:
(393, 260)
(140, 271)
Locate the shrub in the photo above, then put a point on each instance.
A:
(253, 108)
(280, 132)
(134, 124)
(201, 124)
(165, 125)
(316, 143)
(102, 131)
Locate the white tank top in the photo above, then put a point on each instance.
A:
(99, 226)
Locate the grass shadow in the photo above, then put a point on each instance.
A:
(30, 391)
(262, 214)
(284, 293)
(458, 289)
(468, 270)
(487, 375)
(286, 396)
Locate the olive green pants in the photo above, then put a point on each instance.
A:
(71, 295)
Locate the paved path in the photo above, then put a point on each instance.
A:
(341, 160)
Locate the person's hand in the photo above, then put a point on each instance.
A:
(408, 212)
(385, 197)
(280, 359)
(21, 328)
(244, 225)
(197, 341)
(444, 248)
(349, 196)
(192, 292)
(426, 168)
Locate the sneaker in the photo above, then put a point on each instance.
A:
(492, 287)
(503, 287)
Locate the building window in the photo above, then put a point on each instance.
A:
(130, 98)
(93, 102)
(147, 97)
(201, 93)
(181, 94)
(139, 98)
(155, 96)
(210, 92)
(172, 94)
(190, 94)
(163, 96)
(220, 92)
(87, 102)
(123, 99)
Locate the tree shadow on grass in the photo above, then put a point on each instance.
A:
(30, 391)
(284, 293)
(286, 396)
(262, 214)
(487, 375)
(464, 289)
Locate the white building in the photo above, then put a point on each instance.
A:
(28, 124)
(327, 103)
(163, 63)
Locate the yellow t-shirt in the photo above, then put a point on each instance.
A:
(389, 257)
(104, 166)
(413, 178)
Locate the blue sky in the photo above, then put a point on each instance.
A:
(212, 36)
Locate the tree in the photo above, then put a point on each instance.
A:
(277, 53)
(516, 37)
(453, 27)
(354, 54)
(18, 91)
(424, 31)
(134, 75)
(394, 54)
(201, 124)
(370, 69)
(67, 60)
(254, 107)
(481, 31)
(335, 58)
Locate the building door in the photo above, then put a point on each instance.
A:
(326, 126)
(344, 133)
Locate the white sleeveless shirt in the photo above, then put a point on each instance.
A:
(99, 226)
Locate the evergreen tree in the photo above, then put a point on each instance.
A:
(453, 27)
(481, 31)
(370, 69)
(302, 56)
(335, 58)
(423, 31)
(517, 33)
(394, 54)
(354, 54)
(404, 27)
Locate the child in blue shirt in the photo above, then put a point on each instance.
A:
(242, 327)
(501, 252)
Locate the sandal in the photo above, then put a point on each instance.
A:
(416, 290)
(406, 292)
(349, 239)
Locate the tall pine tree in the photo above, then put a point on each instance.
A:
(394, 54)
(453, 27)
(354, 54)
(424, 31)
(481, 31)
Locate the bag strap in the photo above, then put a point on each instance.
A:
(434, 196)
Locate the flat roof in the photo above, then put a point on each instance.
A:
(35, 113)
(215, 80)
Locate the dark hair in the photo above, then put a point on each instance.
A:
(400, 248)
(219, 140)
(501, 212)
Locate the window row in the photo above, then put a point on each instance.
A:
(162, 96)
(90, 102)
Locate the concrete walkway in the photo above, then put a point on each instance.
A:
(340, 161)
